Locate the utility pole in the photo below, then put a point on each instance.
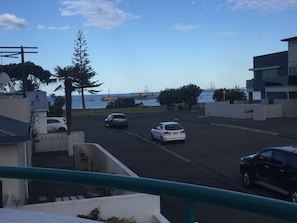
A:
(13, 52)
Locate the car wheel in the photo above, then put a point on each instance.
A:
(152, 136)
(162, 140)
(293, 195)
(106, 124)
(61, 130)
(247, 179)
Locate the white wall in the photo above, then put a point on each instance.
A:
(289, 107)
(264, 111)
(39, 119)
(96, 158)
(75, 138)
(142, 207)
(225, 109)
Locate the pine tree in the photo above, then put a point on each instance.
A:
(83, 72)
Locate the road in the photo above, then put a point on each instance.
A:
(209, 157)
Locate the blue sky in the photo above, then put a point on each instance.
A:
(135, 45)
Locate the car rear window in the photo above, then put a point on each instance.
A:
(119, 116)
(173, 127)
(49, 121)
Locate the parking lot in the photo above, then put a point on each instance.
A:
(209, 157)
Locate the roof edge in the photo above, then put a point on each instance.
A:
(289, 39)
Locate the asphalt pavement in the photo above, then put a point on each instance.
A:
(283, 127)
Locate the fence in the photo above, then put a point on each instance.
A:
(51, 142)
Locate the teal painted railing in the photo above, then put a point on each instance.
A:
(190, 193)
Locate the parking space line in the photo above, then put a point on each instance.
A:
(246, 128)
(160, 146)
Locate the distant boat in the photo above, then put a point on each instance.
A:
(109, 98)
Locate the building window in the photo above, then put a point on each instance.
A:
(277, 95)
(293, 95)
(269, 74)
(293, 71)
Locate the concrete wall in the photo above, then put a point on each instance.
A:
(225, 109)
(16, 108)
(39, 119)
(289, 107)
(262, 112)
(143, 208)
(93, 157)
(75, 138)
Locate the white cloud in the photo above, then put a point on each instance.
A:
(268, 5)
(53, 27)
(41, 27)
(9, 21)
(99, 13)
(185, 28)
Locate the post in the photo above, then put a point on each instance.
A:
(189, 211)
(68, 97)
(23, 73)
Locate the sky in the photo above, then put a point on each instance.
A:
(150, 45)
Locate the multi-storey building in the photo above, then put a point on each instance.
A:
(275, 75)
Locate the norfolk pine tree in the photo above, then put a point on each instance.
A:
(83, 71)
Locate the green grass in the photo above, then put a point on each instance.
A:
(105, 112)
(132, 110)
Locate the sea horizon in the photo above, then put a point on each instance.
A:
(96, 100)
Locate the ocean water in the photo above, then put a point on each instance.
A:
(95, 101)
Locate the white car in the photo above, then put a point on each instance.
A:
(56, 124)
(168, 131)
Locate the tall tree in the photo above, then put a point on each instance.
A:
(35, 75)
(65, 75)
(229, 95)
(83, 71)
(186, 94)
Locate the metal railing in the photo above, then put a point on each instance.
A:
(190, 193)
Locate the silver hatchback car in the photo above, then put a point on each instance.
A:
(116, 120)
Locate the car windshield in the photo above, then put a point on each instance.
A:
(173, 127)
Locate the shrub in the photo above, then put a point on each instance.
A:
(121, 103)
